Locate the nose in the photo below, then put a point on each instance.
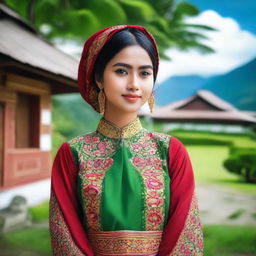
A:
(133, 84)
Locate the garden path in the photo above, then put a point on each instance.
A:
(219, 205)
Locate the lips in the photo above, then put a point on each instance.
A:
(131, 97)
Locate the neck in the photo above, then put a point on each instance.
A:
(120, 119)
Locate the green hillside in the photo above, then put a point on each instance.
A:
(71, 117)
(177, 88)
(237, 87)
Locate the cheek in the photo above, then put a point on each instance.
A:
(148, 88)
(111, 86)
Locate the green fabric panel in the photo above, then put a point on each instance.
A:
(122, 203)
(164, 156)
(167, 192)
(75, 155)
(80, 198)
(167, 199)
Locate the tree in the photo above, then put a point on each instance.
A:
(78, 19)
(242, 164)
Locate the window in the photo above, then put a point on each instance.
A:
(27, 121)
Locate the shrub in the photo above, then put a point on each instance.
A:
(204, 141)
(243, 164)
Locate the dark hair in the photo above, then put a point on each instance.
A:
(120, 40)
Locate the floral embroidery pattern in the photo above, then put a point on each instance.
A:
(61, 239)
(92, 189)
(147, 160)
(94, 160)
(190, 242)
(99, 149)
(144, 243)
(95, 156)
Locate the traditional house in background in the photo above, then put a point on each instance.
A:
(31, 71)
(203, 108)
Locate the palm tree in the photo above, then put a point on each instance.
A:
(77, 19)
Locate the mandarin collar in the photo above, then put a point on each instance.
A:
(110, 130)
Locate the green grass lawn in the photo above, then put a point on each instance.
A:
(26, 240)
(239, 140)
(229, 240)
(219, 241)
(207, 164)
(207, 160)
(40, 212)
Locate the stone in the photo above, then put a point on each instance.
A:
(15, 216)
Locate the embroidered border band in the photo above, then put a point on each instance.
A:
(128, 243)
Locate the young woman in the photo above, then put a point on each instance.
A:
(122, 190)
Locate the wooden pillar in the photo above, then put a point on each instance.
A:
(1, 141)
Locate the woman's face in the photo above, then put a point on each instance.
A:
(128, 80)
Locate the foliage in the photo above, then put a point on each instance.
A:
(236, 214)
(40, 212)
(71, 117)
(243, 163)
(202, 141)
(165, 19)
(242, 141)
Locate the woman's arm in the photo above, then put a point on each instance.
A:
(183, 234)
(67, 232)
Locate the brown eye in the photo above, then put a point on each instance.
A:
(145, 73)
(121, 71)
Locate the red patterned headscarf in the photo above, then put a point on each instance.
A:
(92, 48)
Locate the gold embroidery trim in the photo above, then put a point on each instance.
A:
(125, 242)
(190, 241)
(61, 238)
(110, 130)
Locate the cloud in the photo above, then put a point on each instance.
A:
(233, 47)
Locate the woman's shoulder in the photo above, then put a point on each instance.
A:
(89, 137)
(169, 139)
(159, 136)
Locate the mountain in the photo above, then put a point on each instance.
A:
(238, 87)
(177, 88)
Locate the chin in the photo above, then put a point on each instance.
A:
(130, 111)
(125, 108)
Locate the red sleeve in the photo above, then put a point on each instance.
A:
(67, 232)
(183, 232)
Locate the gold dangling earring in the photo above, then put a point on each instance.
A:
(101, 100)
(151, 102)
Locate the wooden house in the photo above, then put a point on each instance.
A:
(204, 107)
(31, 71)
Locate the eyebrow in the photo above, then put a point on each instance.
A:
(120, 64)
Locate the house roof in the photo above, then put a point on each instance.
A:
(222, 112)
(206, 96)
(20, 42)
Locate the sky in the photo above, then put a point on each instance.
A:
(234, 41)
(243, 13)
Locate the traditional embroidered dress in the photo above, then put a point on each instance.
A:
(124, 191)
